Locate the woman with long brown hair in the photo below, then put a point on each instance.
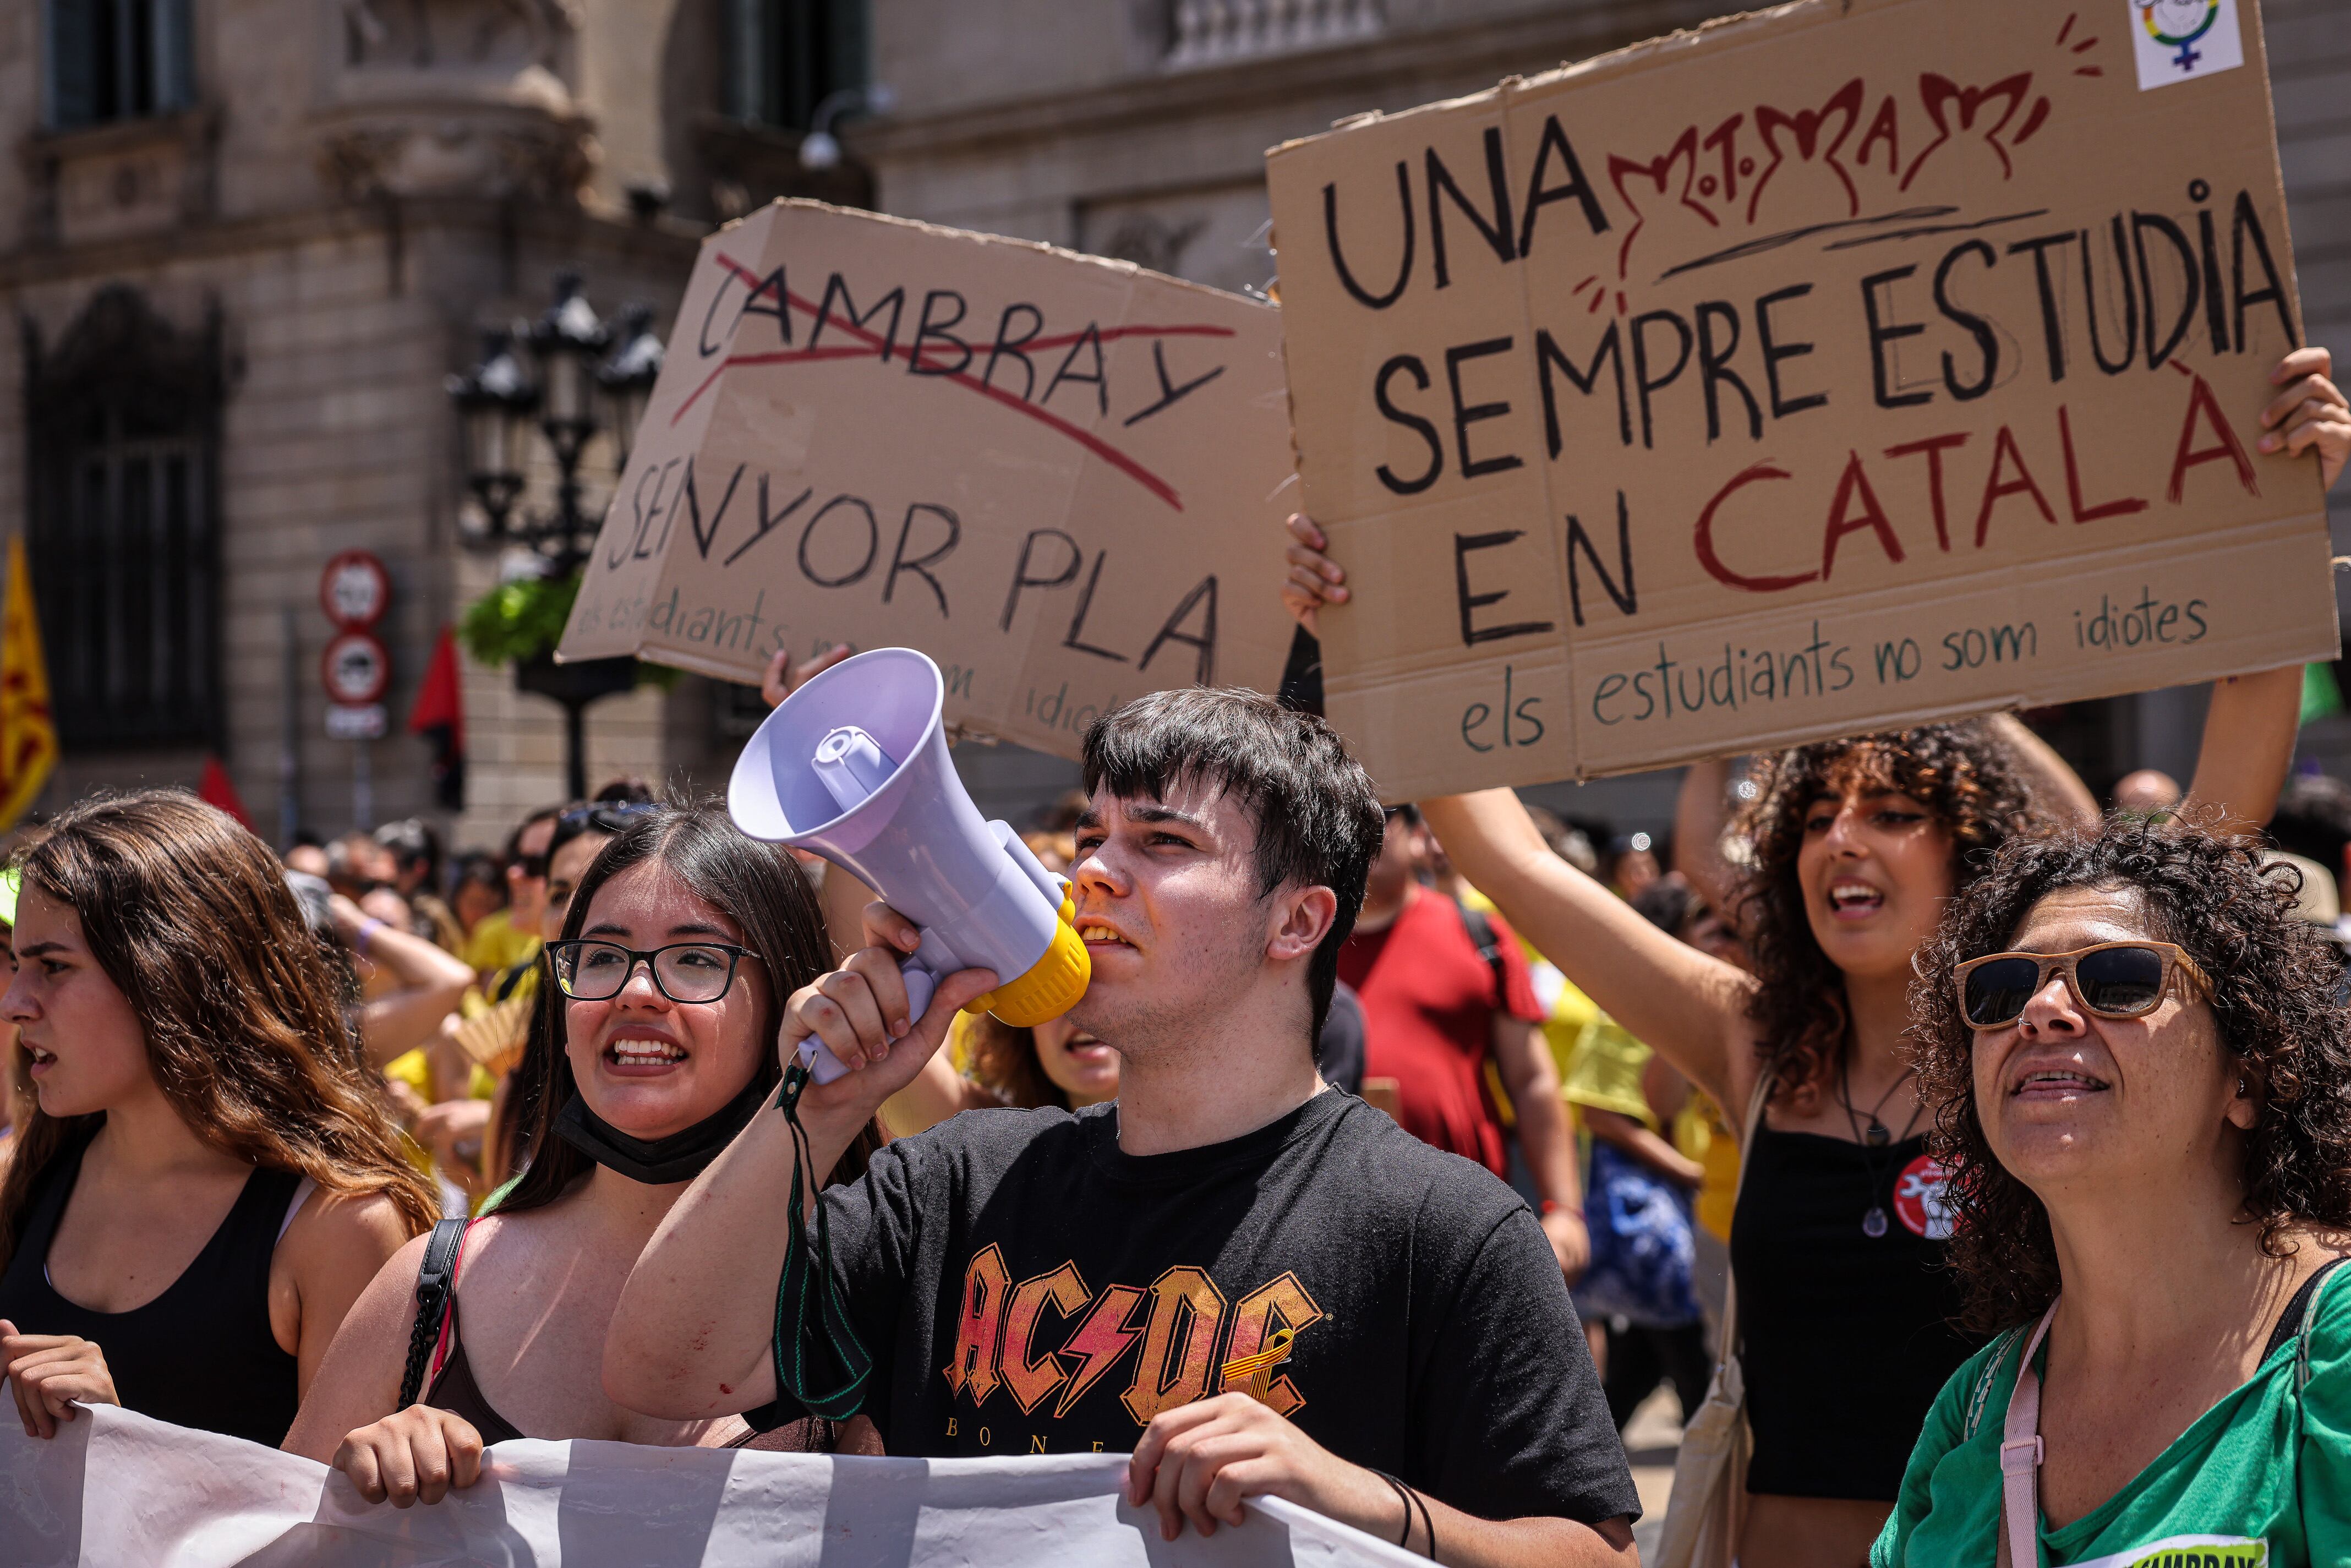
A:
(204, 1183)
(1844, 1304)
(652, 1046)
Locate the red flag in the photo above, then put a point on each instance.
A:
(214, 789)
(439, 714)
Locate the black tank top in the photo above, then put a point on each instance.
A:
(1846, 1338)
(201, 1353)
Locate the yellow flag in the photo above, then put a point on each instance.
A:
(28, 734)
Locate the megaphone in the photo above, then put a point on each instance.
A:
(854, 766)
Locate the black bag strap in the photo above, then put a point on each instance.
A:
(820, 1360)
(1489, 943)
(436, 1280)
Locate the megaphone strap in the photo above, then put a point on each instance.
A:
(820, 1360)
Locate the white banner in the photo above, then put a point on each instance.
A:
(115, 1489)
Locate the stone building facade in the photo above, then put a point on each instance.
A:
(245, 241)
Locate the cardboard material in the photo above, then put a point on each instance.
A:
(1054, 473)
(1843, 366)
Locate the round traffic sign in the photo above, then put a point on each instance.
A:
(356, 668)
(354, 590)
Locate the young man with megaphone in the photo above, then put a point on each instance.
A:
(1257, 1285)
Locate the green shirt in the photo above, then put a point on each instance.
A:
(2263, 1478)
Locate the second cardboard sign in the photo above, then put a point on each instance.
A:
(1058, 475)
(1824, 371)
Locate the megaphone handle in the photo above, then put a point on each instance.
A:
(921, 984)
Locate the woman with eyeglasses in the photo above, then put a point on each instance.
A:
(2142, 1085)
(653, 1048)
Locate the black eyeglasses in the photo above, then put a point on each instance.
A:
(2112, 980)
(593, 971)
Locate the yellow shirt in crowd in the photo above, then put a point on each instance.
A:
(1600, 1065)
(497, 945)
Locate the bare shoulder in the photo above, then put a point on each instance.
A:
(340, 1229)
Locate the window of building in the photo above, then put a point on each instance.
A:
(785, 57)
(122, 536)
(115, 60)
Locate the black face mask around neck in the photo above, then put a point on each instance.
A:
(681, 1156)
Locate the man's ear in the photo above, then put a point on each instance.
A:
(1300, 918)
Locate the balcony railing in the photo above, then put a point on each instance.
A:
(1217, 32)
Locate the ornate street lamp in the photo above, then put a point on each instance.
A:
(629, 375)
(567, 342)
(496, 399)
(820, 148)
(572, 390)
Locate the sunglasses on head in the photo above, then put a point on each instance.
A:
(604, 816)
(2112, 980)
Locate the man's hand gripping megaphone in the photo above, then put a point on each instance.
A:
(881, 1022)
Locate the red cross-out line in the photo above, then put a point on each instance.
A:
(871, 340)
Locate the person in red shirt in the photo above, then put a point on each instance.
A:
(1439, 1002)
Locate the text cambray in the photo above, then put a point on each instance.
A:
(1055, 475)
(1822, 371)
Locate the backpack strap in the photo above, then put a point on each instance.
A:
(2302, 1330)
(436, 1285)
(1489, 944)
(1982, 1396)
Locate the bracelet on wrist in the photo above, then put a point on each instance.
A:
(369, 927)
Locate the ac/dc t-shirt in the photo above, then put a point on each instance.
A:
(1027, 1287)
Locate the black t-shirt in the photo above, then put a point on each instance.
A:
(1339, 1048)
(1027, 1287)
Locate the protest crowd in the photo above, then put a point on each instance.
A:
(1964, 1157)
(1918, 1032)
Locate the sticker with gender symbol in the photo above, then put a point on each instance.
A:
(2181, 40)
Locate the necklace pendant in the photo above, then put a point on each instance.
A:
(1877, 1136)
(1872, 1224)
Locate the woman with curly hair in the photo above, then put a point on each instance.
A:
(1837, 1245)
(2143, 1092)
(206, 1182)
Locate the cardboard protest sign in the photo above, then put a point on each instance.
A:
(1842, 366)
(1054, 473)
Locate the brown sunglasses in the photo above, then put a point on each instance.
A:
(2112, 980)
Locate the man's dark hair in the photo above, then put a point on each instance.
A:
(1318, 816)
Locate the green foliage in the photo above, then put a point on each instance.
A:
(518, 621)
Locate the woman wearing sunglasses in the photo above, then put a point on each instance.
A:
(2143, 1087)
(653, 1048)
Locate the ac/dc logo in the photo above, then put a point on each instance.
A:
(1184, 1322)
